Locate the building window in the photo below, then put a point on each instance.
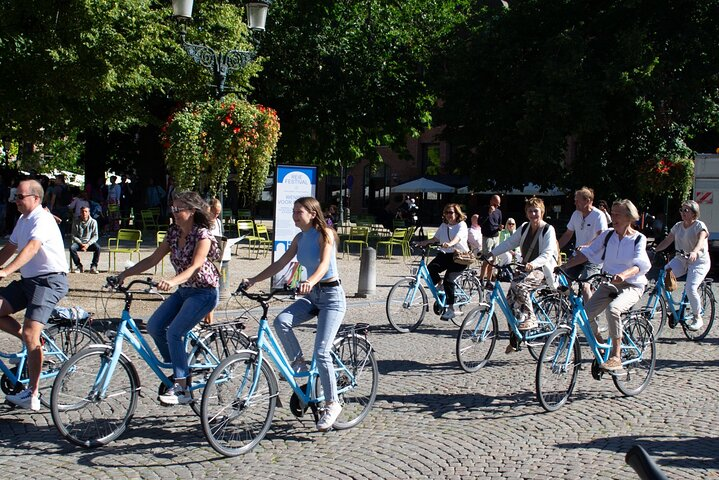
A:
(375, 186)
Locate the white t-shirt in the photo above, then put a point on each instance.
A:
(40, 225)
(474, 239)
(686, 238)
(445, 233)
(587, 228)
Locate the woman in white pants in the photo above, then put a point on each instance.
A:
(690, 235)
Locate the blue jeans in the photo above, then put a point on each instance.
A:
(171, 322)
(93, 247)
(328, 304)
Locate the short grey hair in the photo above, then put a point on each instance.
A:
(693, 206)
(629, 208)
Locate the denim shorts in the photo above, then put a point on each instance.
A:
(39, 295)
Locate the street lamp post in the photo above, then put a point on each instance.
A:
(219, 63)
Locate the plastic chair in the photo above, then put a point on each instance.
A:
(358, 236)
(149, 221)
(246, 229)
(261, 241)
(160, 238)
(397, 239)
(125, 241)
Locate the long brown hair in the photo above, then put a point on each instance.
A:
(201, 215)
(318, 222)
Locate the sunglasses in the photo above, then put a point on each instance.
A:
(20, 196)
(179, 209)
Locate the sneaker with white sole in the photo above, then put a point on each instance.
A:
(177, 395)
(25, 399)
(328, 419)
(448, 314)
(695, 324)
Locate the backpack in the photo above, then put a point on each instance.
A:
(526, 225)
(606, 242)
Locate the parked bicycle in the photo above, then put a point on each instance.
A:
(408, 303)
(478, 334)
(560, 358)
(241, 394)
(662, 309)
(95, 393)
(62, 339)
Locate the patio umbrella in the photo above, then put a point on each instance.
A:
(422, 185)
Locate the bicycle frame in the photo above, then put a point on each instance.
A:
(677, 308)
(440, 296)
(51, 350)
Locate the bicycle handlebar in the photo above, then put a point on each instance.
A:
(114, 283)
(257, 297)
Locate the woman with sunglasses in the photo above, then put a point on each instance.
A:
(690, 235)
(452, 236)
(192, 249)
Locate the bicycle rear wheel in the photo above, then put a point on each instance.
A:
(238, 404)
(476, 339)
(406, 305)
(357, 377)
(82, 413)
(70, 339)
(639, 348)
(708, 306)
(205, 355)
(557, 369)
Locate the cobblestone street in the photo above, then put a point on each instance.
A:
(430, 420)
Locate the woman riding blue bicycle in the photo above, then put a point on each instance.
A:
(324, 298)
(690, 235)
(622, 250)
(192, 249)
(538, 245)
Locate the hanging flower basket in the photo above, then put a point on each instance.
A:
(205, 141)
(667, 177)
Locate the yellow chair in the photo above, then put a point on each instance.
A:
(125, 241)
(113, 215)
(397, 239)
(149, 222)
(261, 241)
(358, 236)
(160, 238)
(244, 215)
(246, 229)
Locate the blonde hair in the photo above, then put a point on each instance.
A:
(693, 206)
(534, 202)
(629, 208)
(461, 217)
(586, 192)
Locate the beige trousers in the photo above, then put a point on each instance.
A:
(604, 298)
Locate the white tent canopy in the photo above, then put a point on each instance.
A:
(422, 185)
(527, 191)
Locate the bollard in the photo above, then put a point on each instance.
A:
(225, 280)
(368, 273)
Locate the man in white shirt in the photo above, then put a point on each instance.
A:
(43, 268)
(586, 223)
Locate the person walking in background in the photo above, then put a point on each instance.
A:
(474, 235)
(43, 268)
(154, 195)
(690, 235)
(216, 229)
(491, 225)
(604, 208)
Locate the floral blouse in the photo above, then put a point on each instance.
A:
(181, 258)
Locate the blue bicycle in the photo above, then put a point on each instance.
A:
(561, 357)
(95, 393)
(407, 301)
(662, 308)
(479, 332)
(241, 394)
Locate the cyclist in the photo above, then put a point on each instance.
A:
(538, 245)
(323, 298)
(690, 235)
(452, 236)
(43, 269)
(623, 252)
(192, 249)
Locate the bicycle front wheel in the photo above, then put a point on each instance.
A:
(70, 339)
(357, 377)
(83, 412)
(551, 310)
(476, 339)
(708, 306)
(638, 357)
(557, 369)
(206, 355)
(655, 311)
(238, 404)
(406, 305)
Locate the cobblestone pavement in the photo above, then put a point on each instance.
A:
(431, 420)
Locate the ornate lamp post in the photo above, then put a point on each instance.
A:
(219, 63)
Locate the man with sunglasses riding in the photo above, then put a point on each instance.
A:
(43, 269)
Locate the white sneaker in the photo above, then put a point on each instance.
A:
(177, 395)
(695, 324)
(328, 419)
(448, 314)
(25, 399)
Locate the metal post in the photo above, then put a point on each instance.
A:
(368, 273)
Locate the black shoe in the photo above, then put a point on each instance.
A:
(670, 320)
(80, 268)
